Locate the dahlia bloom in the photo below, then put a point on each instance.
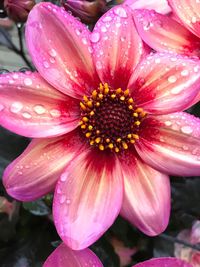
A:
(64, 256)
(107, 124)
(191, 236)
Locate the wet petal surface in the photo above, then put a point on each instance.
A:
(88, 198)
(63, 54)
(117, 46)
(31, 107)
(165, 83)
(171, 144)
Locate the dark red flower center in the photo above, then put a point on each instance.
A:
(110, 118)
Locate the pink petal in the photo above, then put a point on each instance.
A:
(64, 256)
(165, 83)
(117, 46)
(29, 106)
(164, 34)
(63, 53)
(88, 198)
(163, 262)
(35, 172)
(146, 201)
(171, 144)
(188, 12)
(160, 6)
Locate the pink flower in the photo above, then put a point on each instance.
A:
(107, 149)
(64, 256)
(188, 254)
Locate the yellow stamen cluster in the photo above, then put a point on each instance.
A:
(110, 119)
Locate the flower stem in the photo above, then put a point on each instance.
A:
(179, 241)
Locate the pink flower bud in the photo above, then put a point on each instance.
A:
(18, 10)
(87, 11)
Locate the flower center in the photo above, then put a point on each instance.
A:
(110, 119)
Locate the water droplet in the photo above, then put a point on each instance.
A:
(28, 81)
(15, 76)
(172, 79)
(53, 53)
(78, 32)
(26, 115)
(184, 72)
(107, 19)
(55, 113)
(16, 107)
(98, 65)
(186, 129)
(46, 64)
(168, 123)
(39, 109)
(84, 41)
(121, 12)
(52, 60)
(63, 177)
(146, 25)
(90, 49)
(95, 37)
(103, 29)
(62, 199)
(59, 191)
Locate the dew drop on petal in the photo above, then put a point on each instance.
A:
(28, 81)
(184, 72)
(55, 113)
(59, 190)
(53, 53)
(186, 129)
(84, 40)
(121, 12)
(16, 107)
(26, 115)
(172, 79)
(107, 19)
(46, 64)
(15, 76)
(94, 37)
(63, 177)
(62, 199)
(103, 29)
(168, 123)
(39, 109)
(98, 65)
